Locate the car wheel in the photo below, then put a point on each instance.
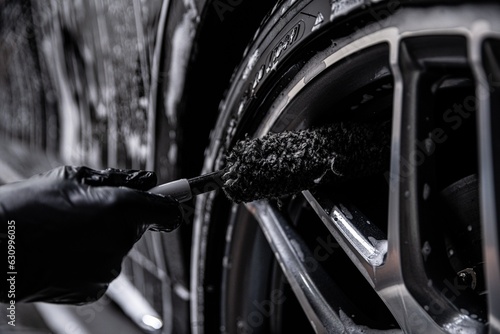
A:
(412, 249)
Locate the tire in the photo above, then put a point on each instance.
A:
(413, 249)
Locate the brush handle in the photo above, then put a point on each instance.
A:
(178, 189)
(184, 189)
(207, 182)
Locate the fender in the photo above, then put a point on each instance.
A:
(199, 43)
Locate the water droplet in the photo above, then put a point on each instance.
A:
(366, 98)
(469, 228)
(451, 252)
(429, 145)
(427, 191)
(346, 212)
(407, 193)
(426, 249)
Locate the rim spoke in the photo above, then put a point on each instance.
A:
(415, 166)
(412, 221)
(363, 242)
(411, 118)
(487, 70)
(321, 299)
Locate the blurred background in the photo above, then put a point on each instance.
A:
(74, 89)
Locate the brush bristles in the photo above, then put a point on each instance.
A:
(286, 163)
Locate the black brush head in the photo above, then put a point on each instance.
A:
(286, 163)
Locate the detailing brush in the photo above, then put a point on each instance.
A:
(286, 163)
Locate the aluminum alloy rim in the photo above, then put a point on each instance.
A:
(378, 256)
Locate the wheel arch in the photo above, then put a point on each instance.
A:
(202, 43)
(198, 44)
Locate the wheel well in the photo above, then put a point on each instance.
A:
(222, 32)
(226, 27)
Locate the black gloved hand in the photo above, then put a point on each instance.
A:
(73, 227)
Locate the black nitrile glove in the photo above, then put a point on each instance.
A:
(74, 226)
